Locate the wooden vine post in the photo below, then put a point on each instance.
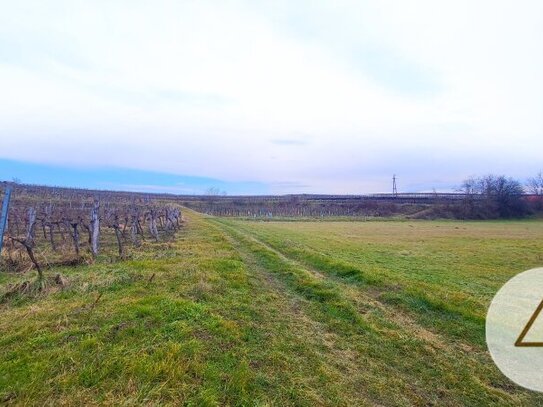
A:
(4, 215)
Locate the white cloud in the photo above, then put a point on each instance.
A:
(204, 88)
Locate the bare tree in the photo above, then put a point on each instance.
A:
(535, 184)
(212, 191)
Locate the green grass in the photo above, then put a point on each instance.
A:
(273, 313)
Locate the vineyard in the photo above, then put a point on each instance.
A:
(54, 228)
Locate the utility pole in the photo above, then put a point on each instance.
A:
(394, 187)
(4, 215)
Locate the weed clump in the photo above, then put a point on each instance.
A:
(33, 288)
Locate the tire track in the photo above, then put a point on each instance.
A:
(362, 299)
(344, 360)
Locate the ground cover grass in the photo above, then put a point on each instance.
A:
(272, 313)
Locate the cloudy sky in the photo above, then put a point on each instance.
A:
(270, 96)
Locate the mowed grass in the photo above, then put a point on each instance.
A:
(273, 313)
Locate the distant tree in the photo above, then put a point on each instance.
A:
(494, 196)
(212, 191)
(469, 189)
(535, 184)
(211, 194)
(505, 194)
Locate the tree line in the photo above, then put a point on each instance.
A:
(498, 196)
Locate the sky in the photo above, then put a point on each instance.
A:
(270, 97)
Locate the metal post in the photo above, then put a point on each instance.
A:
(4, 215)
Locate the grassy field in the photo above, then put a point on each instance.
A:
(240, 312)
